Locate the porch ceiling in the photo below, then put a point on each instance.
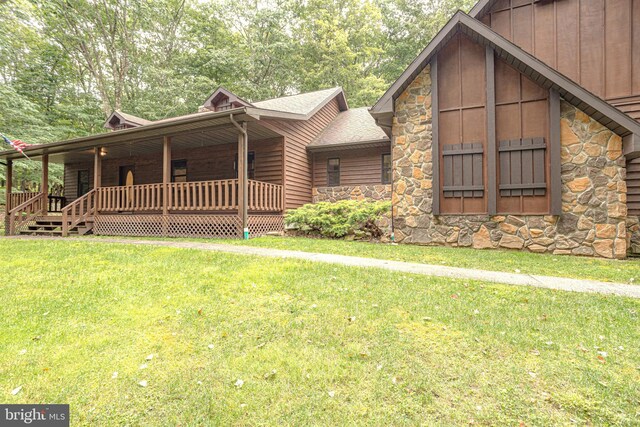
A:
(187, 140)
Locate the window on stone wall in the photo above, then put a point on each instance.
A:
(386, 169)
(333, 172)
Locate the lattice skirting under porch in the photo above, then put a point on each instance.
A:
(206, 226)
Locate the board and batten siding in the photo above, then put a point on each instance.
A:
(462, 122)
(203, 164)
(297, 166)
(596, 43)
(357, 167)
(493, 145)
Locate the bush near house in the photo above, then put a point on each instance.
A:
(339, 219)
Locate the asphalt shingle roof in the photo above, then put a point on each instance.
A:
(350, 127)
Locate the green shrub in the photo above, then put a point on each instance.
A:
(340, 218)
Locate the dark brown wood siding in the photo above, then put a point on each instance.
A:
(518, 154)
(594, 42)
(357, 167)
(299, 134)
(633, 186)
(522, 119)
(203, 164)
(462, 120)
(71, 179)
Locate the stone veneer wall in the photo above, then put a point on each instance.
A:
(593, 221)
(354, 192)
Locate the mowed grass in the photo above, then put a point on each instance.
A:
(621, 271)
(314, 344)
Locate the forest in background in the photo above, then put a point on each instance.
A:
(65, 65)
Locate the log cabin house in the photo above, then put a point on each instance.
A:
(518, 127)
(229, 170)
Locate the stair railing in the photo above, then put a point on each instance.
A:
(78, 211)
(26, 212)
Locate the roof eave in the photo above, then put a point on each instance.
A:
(121, 136)
(348, 145)
(262, 113)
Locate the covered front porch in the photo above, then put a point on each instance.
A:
(221, 179)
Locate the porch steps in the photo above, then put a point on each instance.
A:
(52, 226)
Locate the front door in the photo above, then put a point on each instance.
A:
(126, 176)
(126, 180)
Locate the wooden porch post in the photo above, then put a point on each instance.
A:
(7, 201)
(97, 175)
(166, 180)
(44, 188)
(97, 168)
(243, 180)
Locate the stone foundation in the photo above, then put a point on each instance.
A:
(355, 192)
(594, 219)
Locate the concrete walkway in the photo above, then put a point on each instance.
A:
(549, 282)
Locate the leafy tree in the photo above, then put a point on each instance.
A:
(67, 64)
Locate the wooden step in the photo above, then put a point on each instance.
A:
(42, 232)
(45, 226)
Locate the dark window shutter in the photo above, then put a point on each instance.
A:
(522, 167)
(462, 170)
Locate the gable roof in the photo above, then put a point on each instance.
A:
(221, 92)
(482, 6)
(355, 127)
(536, 70)
(305, 103)
(125, 118)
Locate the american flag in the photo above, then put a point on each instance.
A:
(17, 144)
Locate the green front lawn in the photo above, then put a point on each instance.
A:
(246, 341)
(627, 271)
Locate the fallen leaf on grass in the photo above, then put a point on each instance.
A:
(602, 359)
(149, 357)
(143, 383)
(270, 375)
(351, 318)
(454, 296)
(331, 393)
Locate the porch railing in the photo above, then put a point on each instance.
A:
(220, 195)
(264, 196)
(55, 203)
(204, 195)
(79, 211)
(26, 212)
(145, 197)
(16, 199)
